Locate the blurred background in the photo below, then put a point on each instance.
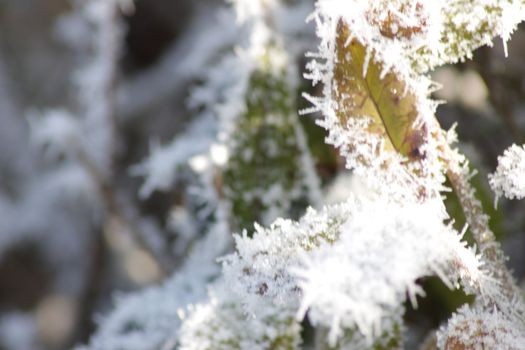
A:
(72, 237)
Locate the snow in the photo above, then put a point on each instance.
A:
(362, 279)
(148, 319)
(161, 168)
(345, 267)
(509, 178)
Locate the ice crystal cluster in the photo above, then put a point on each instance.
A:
(265, 265)
(509, 178)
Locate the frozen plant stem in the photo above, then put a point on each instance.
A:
(96, 82)
(110, 197)
(459, 174)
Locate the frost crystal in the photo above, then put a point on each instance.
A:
(162, 166)
(255, 305)
(340, 265)
(509, 178)
(149, 319)
(478, 328)
(470, 24)
(363, 278)
(376, 108)
(222, 324)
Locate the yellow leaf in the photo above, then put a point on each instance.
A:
(362, 91)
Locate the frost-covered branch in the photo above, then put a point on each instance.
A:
(149, 319)
(88, 134)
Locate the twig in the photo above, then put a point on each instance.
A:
(459, 175)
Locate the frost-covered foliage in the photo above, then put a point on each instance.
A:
(228, 205)
(509, 178)
(292, 264)
(474, 328)
(233, 158)
(349, 268)
(377, 109)
(374, 281)
(148, 319)
(222, 323)
(250, 134)
(88, 131)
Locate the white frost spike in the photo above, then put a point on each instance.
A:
(162, 168)
(509, 178)
(352, 269)
(363, 278)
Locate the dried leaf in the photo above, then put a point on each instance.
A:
(363, 88)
